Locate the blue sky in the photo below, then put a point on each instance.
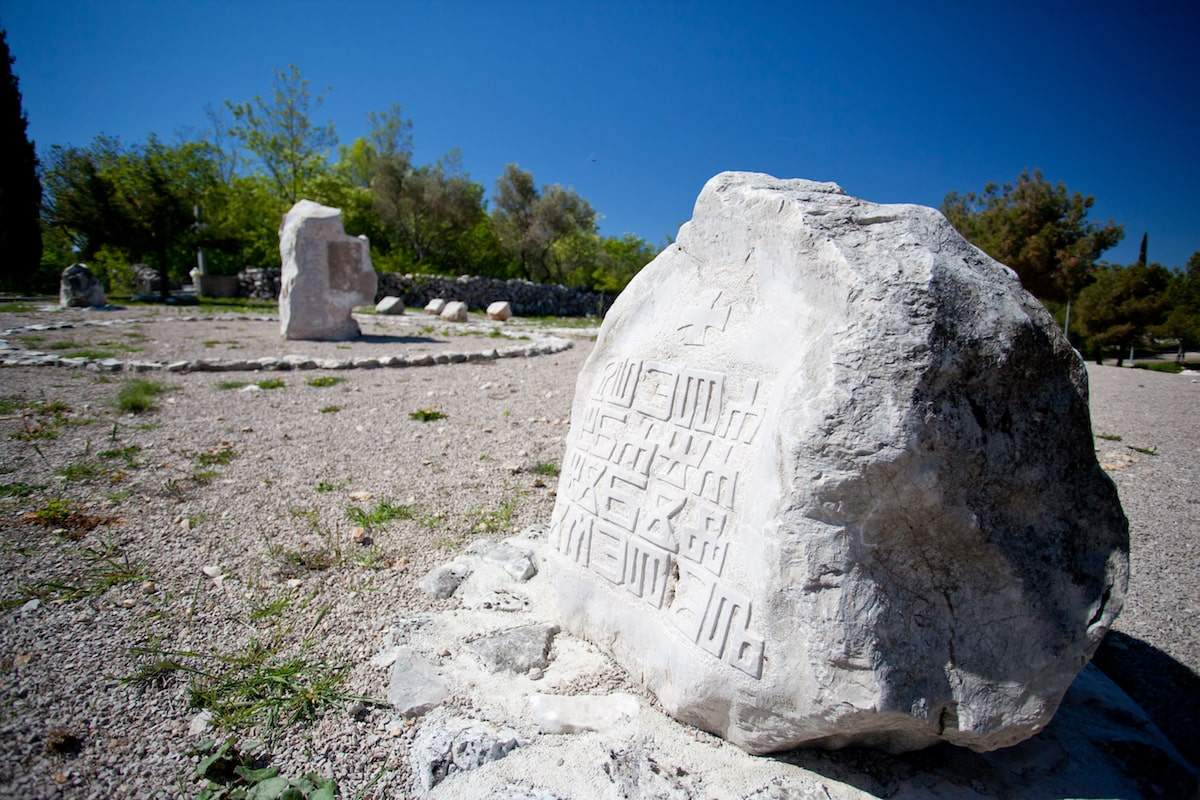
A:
(636, 105)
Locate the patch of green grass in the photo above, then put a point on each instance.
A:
(495, 520)
(330, 409)
(271, 383)
(138, 395)
(382, 513)
(272, 609)
(546, 469)
(125, 454)
(227, 385)
(90, 352)
(426, 415)
(104, 568)
(54, 513)
(294, 562)
(1146, 451)
(257, 685)
(1108, 437)
(120, 495)
(33, 340)
(203, 477)
(82, 470)
(18, 308)
(1160, 366)
(211, 342)
(324, 381)
(329, 486)
(63, 344)
(18, 489)
(12, 404)
(220, 456)
(371, 558)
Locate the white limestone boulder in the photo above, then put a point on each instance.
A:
(830, 481)
(79, 288)
(325, 274)
(454, 311)
(500, 310)
(435, 306)
(391, 306)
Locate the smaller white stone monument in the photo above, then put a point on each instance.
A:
(80, 288)
(499, 310)
(455, 311)
(391, 306)
(325, 274)
(435, 306)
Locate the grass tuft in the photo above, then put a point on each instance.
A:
(138, 395)
(271, 383)
(330, 409)
(546, 468)
(426, 415)
(382, 513)
(227, 385)
(324, 381)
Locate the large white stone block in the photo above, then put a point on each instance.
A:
(325, 274)
(830, 481)
(500, 310)
(454, 311)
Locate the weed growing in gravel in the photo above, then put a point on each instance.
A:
(18, 489)
(546, 469)
(137, 395)
(329, 486)
(256, 685)
(11, 404)
(1161, 366)
(1108, 437)
(271, 383)
(496, 520)
(242, 774)
(272, 609)
(57, 512)
(226, 385)
(83, 470)
(330, 409)
(90, 352)
(382, 513)
(218, 456)
(371, 558)
(203, 477)
(426, 415)
(1146, 451)
(105, 567)
(324, 381)
(125, 454)
(119, 496)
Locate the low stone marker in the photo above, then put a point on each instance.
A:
(392, 306)
(325, 274)
(499, 310)
(79, 288)
(435, 306)
(830, 481)
(454, 311)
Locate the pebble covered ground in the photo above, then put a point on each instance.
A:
(145, 554)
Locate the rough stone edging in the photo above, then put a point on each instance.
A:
(36, 358)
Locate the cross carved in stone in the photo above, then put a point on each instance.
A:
(701, 318)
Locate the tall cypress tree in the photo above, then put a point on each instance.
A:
(20, 187)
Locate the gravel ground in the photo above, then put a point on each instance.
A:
(254, 488)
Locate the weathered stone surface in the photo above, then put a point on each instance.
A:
(516, 562)
(445, 746)
(454, 311)
(80, 288)
(415, 686)
(443, 580)
(392, 306)
(325, 274)
(499, 310)
(830, 481)
(557, 713)
(516, 649)
(435, 306)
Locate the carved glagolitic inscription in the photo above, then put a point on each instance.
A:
(652, 487)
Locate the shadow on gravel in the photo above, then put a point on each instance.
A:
(1168, 691)
(380, 338)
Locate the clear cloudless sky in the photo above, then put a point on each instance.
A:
(636, 105)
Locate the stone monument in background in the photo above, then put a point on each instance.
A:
(325, 274)
(79, 288)
(830, 481)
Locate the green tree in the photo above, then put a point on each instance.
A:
(1121, 306)
(530, 223)
(139, 201)
(1183, 317)
(389, 139)
(282, 135)
(1038, 229)
(20, 188)
(429, 209)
